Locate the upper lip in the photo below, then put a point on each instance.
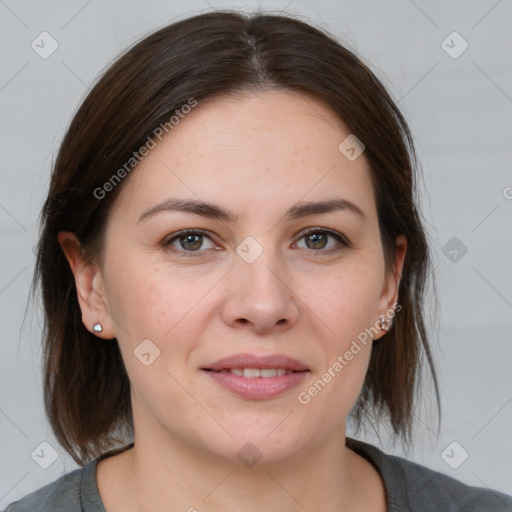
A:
(251, 361)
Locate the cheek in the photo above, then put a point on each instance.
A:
(348, 300)
(139, 303)
(348, 305)
(164, 305)
(150, 311)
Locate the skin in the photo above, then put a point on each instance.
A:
(257, 155)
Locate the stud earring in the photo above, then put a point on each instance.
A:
(384, 324)
(97, 327)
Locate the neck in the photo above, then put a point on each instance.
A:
(162, 474)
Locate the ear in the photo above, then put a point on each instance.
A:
(89, 286)
(389, 295)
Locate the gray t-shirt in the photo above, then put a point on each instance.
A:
(409, 488)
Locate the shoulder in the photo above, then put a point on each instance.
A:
(437, 491)
(65, 494)
(76, 491)
(62, 494)
(410, 486)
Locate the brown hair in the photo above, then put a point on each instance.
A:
(86, 388)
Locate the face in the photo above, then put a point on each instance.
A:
(258, 278)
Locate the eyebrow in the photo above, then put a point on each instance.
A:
(215, 211)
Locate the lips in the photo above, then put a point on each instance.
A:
(241, 361)
(257, 378)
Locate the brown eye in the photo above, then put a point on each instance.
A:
(317, 240)
(191, 242)
(187, 242)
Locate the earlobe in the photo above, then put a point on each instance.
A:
(389, 297)
(89, 286)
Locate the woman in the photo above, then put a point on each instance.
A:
(232, 264)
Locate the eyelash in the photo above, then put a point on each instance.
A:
(345, 243)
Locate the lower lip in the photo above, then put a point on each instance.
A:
(258, 388)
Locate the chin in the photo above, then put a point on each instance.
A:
(267, 442)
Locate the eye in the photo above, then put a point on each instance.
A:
(317, 240)
(189, 241)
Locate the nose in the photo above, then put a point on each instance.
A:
(260, 296)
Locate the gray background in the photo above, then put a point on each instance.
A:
(460, 112)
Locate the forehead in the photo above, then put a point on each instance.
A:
(251, 151)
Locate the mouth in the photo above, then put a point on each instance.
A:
(255, 377)
(251, 373)
(253, 364)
